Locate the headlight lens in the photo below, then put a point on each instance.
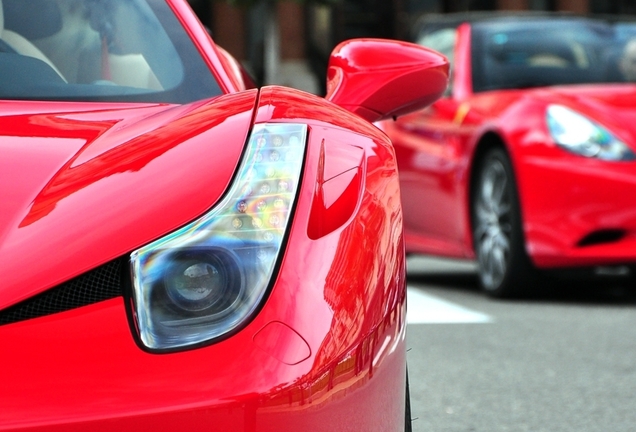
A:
(206, 279)
(582, 136)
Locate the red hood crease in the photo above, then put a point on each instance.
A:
(84, 183)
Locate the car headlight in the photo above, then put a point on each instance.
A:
(578, 134)
(208, 278)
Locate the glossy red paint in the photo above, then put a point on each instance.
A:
(338, 185)
(96, 153)
(85, 183)
(462, 69)
(81, 369)
(379, 79)
(242, 80)
(220, 63)
(564, 198)
(584, 196)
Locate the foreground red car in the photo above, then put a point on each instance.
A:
(182, 252)
(528, 162)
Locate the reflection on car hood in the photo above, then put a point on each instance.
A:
(81, 184)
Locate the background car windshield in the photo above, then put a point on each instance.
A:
(99, 50)
(523, 53)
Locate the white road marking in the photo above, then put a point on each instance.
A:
(427, 309)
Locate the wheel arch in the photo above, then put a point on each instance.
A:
(519, 272)
(487, 141)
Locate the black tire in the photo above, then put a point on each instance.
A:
(408, 427)
(505, 270)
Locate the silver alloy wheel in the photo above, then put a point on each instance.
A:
(493, 228)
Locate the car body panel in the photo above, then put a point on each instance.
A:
(349, 317)
(88, 182)
(462, 77)
(378, 79)
(221, 67)
(129, 163)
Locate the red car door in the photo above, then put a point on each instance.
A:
(429, 152)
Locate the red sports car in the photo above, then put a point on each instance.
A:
(528, 162)
(180, 251)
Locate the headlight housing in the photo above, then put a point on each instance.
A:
(578, 134)
(208, 278)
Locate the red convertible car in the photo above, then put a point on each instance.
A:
(528, 162)
(181, 251)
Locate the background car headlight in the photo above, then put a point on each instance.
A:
(580, 135)
(209, 277)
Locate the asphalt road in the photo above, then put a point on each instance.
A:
(564, 360)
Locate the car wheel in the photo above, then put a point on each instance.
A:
(408, 427)
(504, 268)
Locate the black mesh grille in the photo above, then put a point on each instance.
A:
(100, 284)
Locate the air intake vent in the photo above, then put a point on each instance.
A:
(602, 236)
(100, 284)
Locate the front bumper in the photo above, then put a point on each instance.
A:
(325, 353)
(80, 370)
(577, 211)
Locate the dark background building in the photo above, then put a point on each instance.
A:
(309, 31)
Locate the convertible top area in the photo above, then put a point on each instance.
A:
(524, 50)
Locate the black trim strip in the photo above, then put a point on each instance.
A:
(99, 284)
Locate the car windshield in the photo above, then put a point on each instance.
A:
(99, 50)
(534, 53)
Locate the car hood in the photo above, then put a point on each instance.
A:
(614, 106)
(84, 183)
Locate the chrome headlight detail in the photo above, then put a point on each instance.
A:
(578, 134)
(206, 279)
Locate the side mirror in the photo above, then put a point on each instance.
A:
(379, 79)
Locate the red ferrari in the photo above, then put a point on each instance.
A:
(528, 162)
(181, 251)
